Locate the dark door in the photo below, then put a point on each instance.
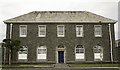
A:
(60, 56)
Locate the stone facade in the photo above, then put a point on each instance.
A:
(70, 41)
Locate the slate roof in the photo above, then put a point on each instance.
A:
(60, 16)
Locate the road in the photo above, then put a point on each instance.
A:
(61, 69)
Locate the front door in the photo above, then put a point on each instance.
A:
(60, 56)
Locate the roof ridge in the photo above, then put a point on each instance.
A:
(57, 11)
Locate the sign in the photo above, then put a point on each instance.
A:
(100, 52)
(101, 55)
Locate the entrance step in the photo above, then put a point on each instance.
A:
(61, 66)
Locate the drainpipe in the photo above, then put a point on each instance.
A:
(111, 42)
(11, 30)
(10, 38)
(4, 54)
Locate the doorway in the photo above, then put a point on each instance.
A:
(60, 56)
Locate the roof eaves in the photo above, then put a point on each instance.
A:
(59, 21)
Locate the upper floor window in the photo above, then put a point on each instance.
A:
(42, 51)
(22, 54)
(98, 52)
(79, 30)
(98, 30)
(42, 31)
(23, 30)
(79, 52)
(60, 30)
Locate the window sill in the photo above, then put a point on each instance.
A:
(60, 36)
(23, 36)
(97, 60)
(98, 36)
(22, 60)
(41, 36)
(79, 59)
(41, 60)
(79, 36)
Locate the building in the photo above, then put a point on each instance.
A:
(118, 49)
(62, 37)
(117, 43)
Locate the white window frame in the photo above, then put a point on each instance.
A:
(80, 31)
(20, 31)
(63, 31)
(100, 31)
(24, 54)
(79, 53)
(42, 54)
(39, 31)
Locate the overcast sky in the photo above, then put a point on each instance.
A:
(13, 8)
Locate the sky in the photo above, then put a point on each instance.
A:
(12, 8)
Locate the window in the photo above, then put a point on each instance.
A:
(60, 31)
(42, 30)
(42, 51)
(79, 52)
(61, 47)
(23, 30)
(22, 54)
(97, 50)
(98, 30)
(79, 30)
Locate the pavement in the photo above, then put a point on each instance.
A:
(62, 67)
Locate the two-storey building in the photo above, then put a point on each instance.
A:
(62, 37)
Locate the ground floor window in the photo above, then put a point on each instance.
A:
(41, 52)
(22, 54)
(79, 52)
(98, 52)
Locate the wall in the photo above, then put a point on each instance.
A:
(69, 41)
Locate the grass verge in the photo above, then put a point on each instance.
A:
(94, 65)
(26, 65)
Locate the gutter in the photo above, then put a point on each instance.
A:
(70, 21)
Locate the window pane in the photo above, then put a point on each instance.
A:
(82, 50)
(60, 46)
(97, 50)
(80, 56)
(41, 56)
(23, 53)
(79, 52)
(42, 30)
(23, 30)
(79, 30)
(42, 52)
(97, 30)
(60, 30)
(79, 46)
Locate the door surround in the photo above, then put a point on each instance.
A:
(60, 49)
